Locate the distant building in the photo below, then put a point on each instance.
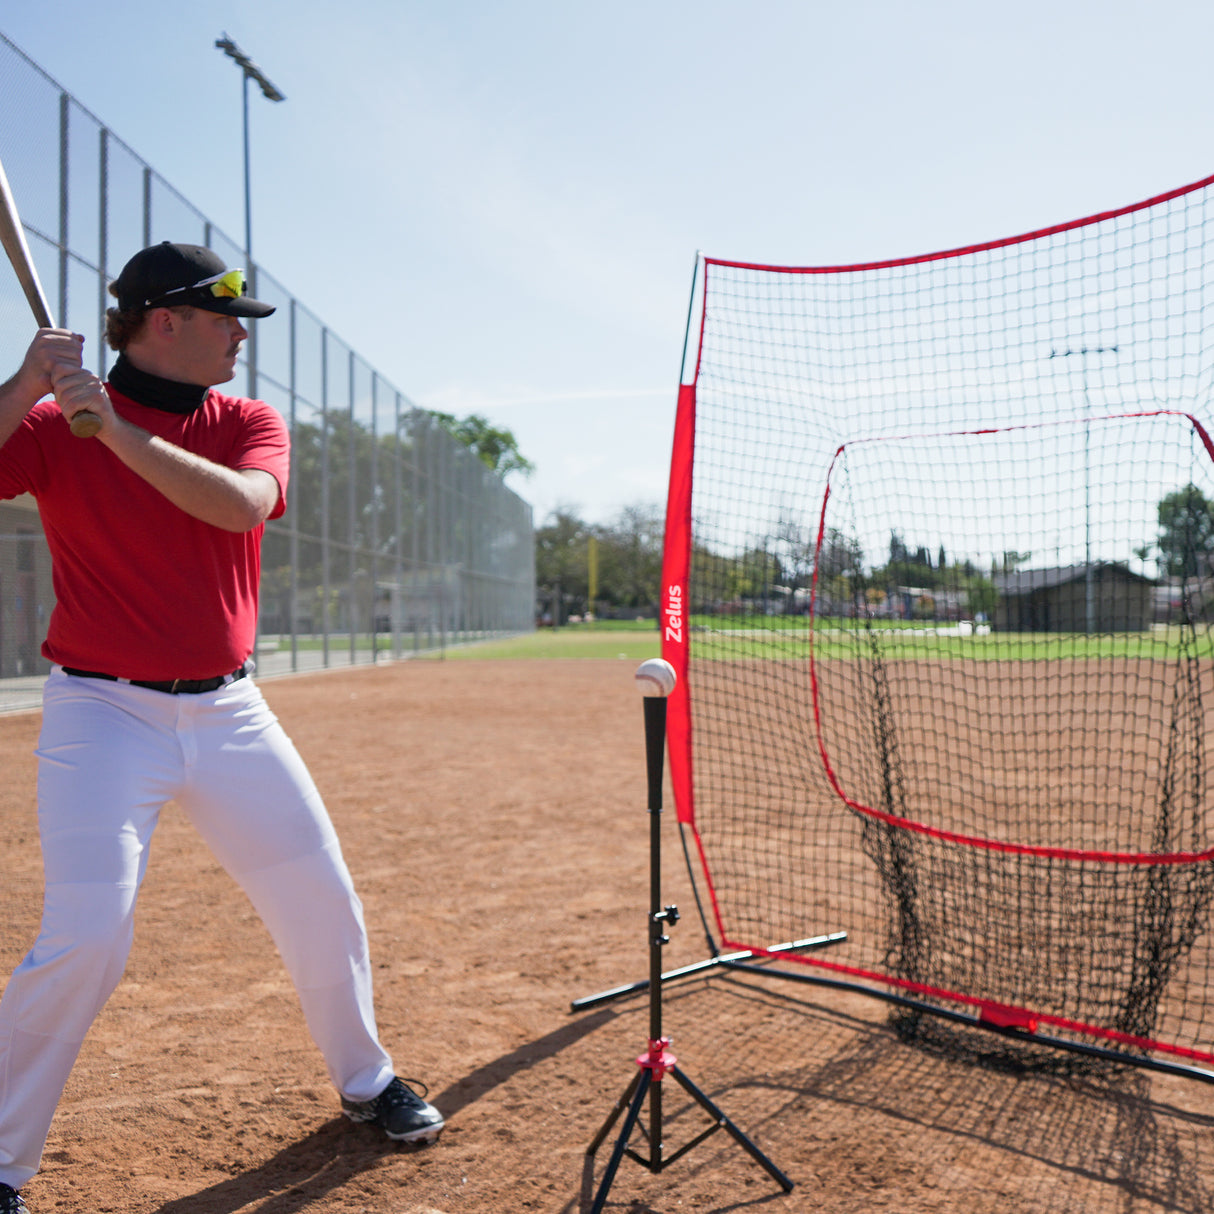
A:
(911, 602)
(1178, 600)
(1057, 600)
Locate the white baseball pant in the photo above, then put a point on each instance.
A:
(109, 756)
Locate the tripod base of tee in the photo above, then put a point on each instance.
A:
(653, 1066)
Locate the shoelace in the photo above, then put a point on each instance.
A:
(399, 1093)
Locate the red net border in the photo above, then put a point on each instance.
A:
(1021, 849)
(675, 623)
(964, 250)
(990, 1011)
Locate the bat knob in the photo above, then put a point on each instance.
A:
(85, 424)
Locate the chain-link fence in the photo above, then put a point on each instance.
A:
(397, 539)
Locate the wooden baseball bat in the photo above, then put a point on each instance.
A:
(84, 424)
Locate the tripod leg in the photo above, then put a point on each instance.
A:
(620, 1106)
(741, 1139)
(639, 1086)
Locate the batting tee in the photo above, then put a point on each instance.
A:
(937, 585)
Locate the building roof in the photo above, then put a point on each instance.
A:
(1028, 581)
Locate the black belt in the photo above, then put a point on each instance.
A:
(173, 687)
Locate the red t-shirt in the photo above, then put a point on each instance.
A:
(144, 590)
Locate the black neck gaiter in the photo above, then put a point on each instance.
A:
(165, 394)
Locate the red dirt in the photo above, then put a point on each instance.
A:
(494, 817)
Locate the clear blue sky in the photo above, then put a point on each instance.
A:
(499, 204)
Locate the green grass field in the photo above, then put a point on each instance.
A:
(638, 640)
(631, 640)
(901, 644)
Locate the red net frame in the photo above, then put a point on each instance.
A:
(1164, 358)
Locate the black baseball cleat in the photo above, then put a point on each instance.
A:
(398, 1110)
(10, 1201)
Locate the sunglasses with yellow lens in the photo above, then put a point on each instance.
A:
(231, 284)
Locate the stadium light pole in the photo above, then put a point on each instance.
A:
(1089, 594)
(249, 71)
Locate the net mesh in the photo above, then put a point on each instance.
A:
(947, 568)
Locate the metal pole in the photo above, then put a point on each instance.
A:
(293, 500)
(103, 247)
(374, 499)
(248, 205)
(655, 739)
(64, 170)
(147, 207)
(251, 349)
(1089, 585)
(249, 71)
(351, 512)
(398, 572)
(1089, 573)
(324, 491)
(418, 514)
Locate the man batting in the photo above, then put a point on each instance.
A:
(155, 529)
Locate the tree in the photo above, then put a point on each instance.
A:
(629, 559)
(752, 575)
(841, 584)
(630, 556)
(981, 597)
(840, 554)
(1012, 560)
(1186, 531)
(943, 586)
(495, 446)
(795, 546)
(562, 573)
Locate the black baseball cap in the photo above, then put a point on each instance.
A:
(171, 275)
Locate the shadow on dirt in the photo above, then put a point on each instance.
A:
(327, 1158)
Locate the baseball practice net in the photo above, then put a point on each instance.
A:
(937, 584)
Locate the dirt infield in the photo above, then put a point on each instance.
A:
(493, 815)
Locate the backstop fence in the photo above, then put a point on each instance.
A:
(397, 539)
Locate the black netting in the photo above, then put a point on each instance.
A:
(951, 584)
